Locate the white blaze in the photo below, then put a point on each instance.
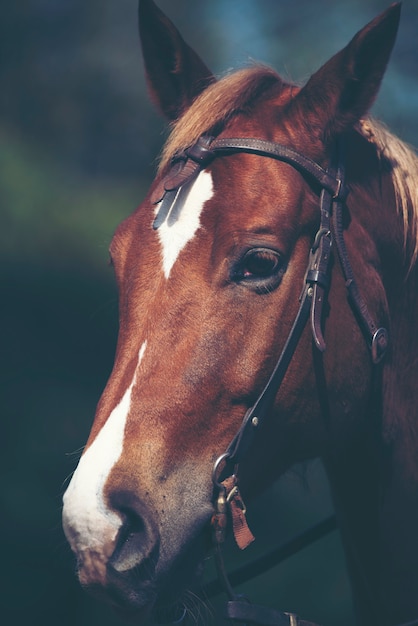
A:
(175, 235)
(88, 523)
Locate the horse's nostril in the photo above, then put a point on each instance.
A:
(137, 542)
(134, 524)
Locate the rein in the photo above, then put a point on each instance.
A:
(229, 504)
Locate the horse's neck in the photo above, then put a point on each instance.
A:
(399, 479)
(354, 485)
(375, 480)
(400, 374)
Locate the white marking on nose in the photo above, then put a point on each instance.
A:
(176, 234)
(89, 524)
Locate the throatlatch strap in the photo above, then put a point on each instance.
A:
(377, 337)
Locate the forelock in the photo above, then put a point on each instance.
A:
(219, 102)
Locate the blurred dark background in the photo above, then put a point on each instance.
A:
(78, 143)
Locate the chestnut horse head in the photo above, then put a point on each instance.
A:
(210, 269)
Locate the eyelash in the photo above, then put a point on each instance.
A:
(259, 267)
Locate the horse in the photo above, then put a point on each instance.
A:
(267, 304)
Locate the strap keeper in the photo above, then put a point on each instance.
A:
(315, 277)
(200, 151)
(341, 191)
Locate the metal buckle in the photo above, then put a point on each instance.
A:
(338, 190)
(379, 345)
(215, 471)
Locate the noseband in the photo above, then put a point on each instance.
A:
(229, 505)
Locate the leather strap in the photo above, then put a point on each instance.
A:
(377, 337)
(312, 301)
(318, 274)
(283, 153)
(186, 165)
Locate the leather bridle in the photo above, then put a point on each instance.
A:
(229, 505)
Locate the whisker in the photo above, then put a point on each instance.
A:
(198, 610)
(76, 452)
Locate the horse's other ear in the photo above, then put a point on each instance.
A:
(175, 73)
(344, 89)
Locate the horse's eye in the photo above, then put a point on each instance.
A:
(259, 266)
(259, 263)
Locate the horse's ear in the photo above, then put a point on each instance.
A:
(343, 90)
(175, 73)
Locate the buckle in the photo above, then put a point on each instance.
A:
(380, 341)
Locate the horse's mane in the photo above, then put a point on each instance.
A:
(403, 166)
(241, 89)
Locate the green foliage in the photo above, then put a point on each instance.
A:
(50, 212)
